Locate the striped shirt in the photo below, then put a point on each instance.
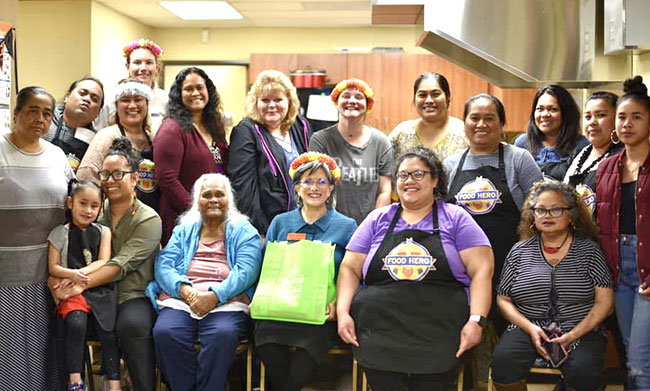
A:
(526, 279)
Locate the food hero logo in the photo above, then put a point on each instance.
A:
(146, 177)
(587, 195)
(479, 196)
(408, 261)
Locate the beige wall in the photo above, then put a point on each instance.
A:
(53, 43)
(109, 32)
(239, 43)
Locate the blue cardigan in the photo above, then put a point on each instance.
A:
(243, 253)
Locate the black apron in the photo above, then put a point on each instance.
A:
(485, 194)
(411, 310)
(74, 153)
(555, 171)
(102, 299)
(584, 179)
(147, 186)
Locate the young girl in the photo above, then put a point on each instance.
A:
(76, 250)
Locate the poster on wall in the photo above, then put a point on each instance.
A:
(5, 77)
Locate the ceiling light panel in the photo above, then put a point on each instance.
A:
(201, 10)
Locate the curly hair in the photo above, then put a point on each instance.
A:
(272, 81)
(212, 112)
(582, 223)
(570, 128)
(429, 158)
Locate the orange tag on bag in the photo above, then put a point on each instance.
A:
(295, 236)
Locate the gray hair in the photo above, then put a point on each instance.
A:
(311, 167)
(193, 215)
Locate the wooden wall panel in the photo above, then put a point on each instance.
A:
(336, 65)
(517, 102)
(392, 77)
(281, 62)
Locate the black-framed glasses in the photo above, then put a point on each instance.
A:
(321, 183)
(116, 175)
(552, 310)
(553, 212)
(417, 175)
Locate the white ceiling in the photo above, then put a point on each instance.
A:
(256, 13)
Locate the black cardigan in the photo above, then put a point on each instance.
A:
(261, 189)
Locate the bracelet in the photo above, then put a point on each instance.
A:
(190, 298)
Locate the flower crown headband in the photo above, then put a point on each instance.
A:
(357, 84)
(316, 156)
(143, 43)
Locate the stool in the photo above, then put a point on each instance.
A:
(332, 351)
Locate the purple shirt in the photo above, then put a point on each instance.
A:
(458, 231)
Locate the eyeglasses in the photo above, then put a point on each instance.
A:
(116, 175)
(553, 212)
(552, 310)
(417, 175)
(321, 183)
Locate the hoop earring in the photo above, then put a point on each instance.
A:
(611, 137)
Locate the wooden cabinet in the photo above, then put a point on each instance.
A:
(391, 76)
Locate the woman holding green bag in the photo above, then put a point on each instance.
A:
(420, 261)
(314, 177)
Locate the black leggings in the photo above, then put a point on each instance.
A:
(135, 319)
(286, 372)
(76, 324)
(398, 381)
(514, 355)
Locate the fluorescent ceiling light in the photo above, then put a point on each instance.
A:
(201, 10)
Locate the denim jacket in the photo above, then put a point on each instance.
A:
(243, 253)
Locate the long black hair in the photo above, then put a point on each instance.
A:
(74, 186)
(211, 116)
(570, 129)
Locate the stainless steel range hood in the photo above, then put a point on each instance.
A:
(524, 43)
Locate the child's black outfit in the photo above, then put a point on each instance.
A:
(78, 248)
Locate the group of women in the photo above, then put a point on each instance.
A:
(417, 279)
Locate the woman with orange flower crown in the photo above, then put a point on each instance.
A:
(142, 63)
(314, 178)
(363, 153)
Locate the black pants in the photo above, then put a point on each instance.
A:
(397, 381)
(135, 320)
(286, 372)
(76, 326)
(514, 355)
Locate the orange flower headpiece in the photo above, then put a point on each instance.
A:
(143, 43)
(316, 156)
(357, 84)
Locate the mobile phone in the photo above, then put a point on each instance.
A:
(557, 353)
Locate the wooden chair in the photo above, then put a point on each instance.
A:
(459, 382)
(244, 346)
(333, 351)
(544, 371)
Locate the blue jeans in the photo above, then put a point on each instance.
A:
(218, 334)
(633, 314)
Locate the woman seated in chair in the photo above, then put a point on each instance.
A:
(555, 289)
(314, 178)
(204, 282)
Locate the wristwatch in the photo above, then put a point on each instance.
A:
(482, 321)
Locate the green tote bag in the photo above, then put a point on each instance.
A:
(296, 282)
